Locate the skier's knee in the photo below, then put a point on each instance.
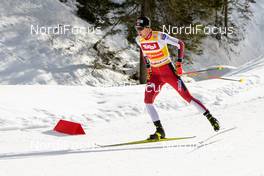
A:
(148, 100)
(187, 98)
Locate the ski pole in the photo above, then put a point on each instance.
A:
(228, 79)
(204, 70)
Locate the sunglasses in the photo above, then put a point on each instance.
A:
(139, 28)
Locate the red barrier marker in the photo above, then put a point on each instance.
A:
(68, 127)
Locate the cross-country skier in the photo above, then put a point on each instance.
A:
(161, 70)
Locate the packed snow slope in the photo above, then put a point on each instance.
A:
(116, 114)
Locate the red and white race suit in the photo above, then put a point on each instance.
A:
(155, 49)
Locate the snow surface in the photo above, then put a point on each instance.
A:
(70, 59)
(251, 45)
(116, 114)
(113, 114)
(48, 58)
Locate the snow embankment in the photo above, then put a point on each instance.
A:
(249, 46)
(44, 42)
(29, 106)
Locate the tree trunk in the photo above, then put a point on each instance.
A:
(145, 11)
(216, 15)
(226, 15)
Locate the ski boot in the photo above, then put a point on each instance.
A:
(159, 134)
(214, 122)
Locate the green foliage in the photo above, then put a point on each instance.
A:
(182, 13)
(95, 11)
(170, 12)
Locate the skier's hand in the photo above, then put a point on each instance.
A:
(147, 62)
(149, 74)
(179, 70)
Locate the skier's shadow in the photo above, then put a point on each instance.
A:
(68, 151)
(193, 146)
(54, 133)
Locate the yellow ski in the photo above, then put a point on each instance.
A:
(147, 141)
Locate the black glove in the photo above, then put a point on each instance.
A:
(147, 62)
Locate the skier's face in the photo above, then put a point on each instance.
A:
(139, 30)
(142, 31)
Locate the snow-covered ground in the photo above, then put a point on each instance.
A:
(60, 57)
(116, 114)
(28, 113)
(250, 34)
(70, 59)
